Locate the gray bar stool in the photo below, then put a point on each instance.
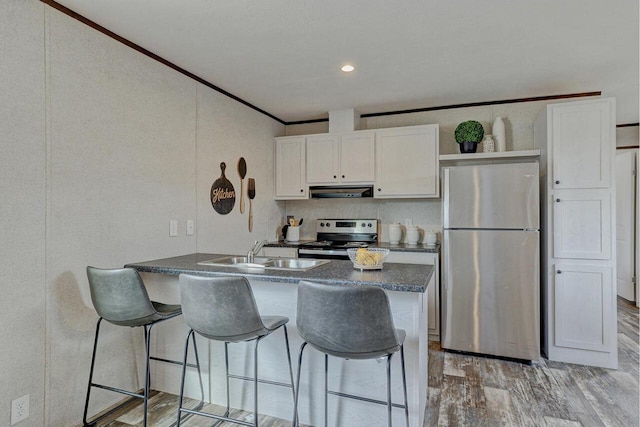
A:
(350, 322)
(224, 309)
(120, 298)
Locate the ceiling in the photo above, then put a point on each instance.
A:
(284, 56)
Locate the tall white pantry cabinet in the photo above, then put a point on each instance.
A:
(577, 144)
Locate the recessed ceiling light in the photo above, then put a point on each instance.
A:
(347, 68)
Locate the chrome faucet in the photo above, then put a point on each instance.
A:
(254, 250)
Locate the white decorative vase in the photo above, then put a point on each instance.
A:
(488, 144)
(499, 134)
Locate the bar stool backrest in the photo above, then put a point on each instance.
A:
(220, 308)
(346, 321)
(119, 296)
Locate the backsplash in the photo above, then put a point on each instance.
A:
(425, 213)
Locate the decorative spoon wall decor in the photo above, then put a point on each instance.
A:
(251, 193)
(242, 171)
(223, 196)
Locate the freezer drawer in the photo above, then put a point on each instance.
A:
(501, 196)
(490, 292)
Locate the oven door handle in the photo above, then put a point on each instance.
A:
(321, 252)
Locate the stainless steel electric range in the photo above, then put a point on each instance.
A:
(335, 236)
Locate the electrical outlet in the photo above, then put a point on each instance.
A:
(190, 227)
(19, 409)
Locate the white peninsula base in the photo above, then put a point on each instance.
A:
(362, 377)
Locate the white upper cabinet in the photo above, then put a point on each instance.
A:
(407, 162)
(582, 143)
(290, 168)
(347, 158)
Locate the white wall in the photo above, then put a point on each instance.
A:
(22, 207)
(101, 147)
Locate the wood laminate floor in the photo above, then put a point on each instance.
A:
(477, 391)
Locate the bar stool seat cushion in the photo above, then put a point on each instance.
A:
(119, 297)
(224, 309)
(271, 323)
(346, 321)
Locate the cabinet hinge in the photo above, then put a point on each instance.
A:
(633, 280)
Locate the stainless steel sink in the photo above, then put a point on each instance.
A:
(300, 264)
(259, 263)
(235, 260)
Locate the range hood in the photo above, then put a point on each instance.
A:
(330, 192)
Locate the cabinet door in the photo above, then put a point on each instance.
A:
(322, 159)
(583, 307)
(407, 162)
(357, 158)
(582, 224)
(290, 168)
(433, 292)
(582, 145)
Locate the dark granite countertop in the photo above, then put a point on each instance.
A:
(393, 277)
(400, 247)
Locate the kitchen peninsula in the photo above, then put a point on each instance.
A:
(275, 291)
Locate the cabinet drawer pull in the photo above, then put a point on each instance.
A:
(557, 182)
(335, 176)
(343, 176)
(379, 189)
(301, 190)
(559, 271)
(558, 200)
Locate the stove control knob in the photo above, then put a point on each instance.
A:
(364, 225)
(369, 225)
(322, 224)
(328, 225)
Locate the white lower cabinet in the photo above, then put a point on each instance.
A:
(433, 293)
(584, 304)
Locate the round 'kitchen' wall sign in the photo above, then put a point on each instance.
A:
(223, 196)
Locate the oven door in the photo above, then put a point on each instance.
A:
(323, 253)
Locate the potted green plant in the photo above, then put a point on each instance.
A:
(468, 134)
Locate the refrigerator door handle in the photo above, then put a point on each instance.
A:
(445, 197)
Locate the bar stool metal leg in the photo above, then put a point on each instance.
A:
(286, 341)
(93, 364)
(389, 422)
(255, 382)
(147, 380)
(191, 334)
(297, 388)
(326, 390)
(404, 385)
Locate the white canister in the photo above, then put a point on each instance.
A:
(413, 234)
(293, 234)
(431, 238)
(395, 233)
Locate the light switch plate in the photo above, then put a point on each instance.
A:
(190, 227)
(173, 228)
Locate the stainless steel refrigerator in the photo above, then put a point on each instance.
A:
(491, 247)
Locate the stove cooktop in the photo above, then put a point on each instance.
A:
(334, 245)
